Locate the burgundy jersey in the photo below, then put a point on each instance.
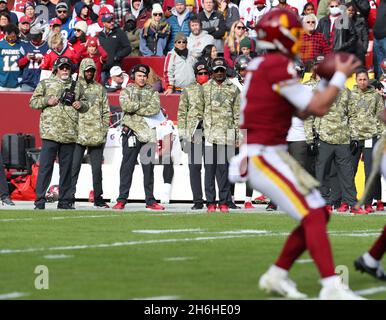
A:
(265, 112)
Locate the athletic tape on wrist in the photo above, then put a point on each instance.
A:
(338, 80)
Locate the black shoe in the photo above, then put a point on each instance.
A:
(271, 207)
(40, 206)
(101, 205)
(197, 206)
(377, 273)
(66, 206)
(232, 205)
(7, 202)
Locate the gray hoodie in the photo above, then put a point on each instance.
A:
(196, 43)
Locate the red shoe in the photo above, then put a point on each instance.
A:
(248, 205)
(211, 208)
(261, 200)
(120, 205)
(329, 209)
(155, 206)
(380, 206)
(91, 196)
(343, 207)
(358, 210)
(368, 208)
(224, 208)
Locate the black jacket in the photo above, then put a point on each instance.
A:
(380, 25)
(345, 37)
(117, 46)
(216, 20)
(362, 31)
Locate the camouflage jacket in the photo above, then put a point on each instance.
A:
(60, 122)
(190, 110)
(338, 126)
(137, 103)
(221, 112)
(368, 105)
(93, 124)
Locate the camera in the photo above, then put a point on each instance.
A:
(68, 97)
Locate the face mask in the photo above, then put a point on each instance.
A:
(202, 79)
(335, 11)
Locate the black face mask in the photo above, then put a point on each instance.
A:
(183, 52)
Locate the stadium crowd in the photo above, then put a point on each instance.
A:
(207, 45)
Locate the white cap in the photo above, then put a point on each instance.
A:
(115, 71)
(81, 25)
(157, 8)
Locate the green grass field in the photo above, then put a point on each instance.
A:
(123, 255)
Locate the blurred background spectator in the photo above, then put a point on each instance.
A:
(62, 12)
(208, 54)
(24, 28)
(230, 11)
(198, 38)
(232, 44)
(54, 27)
(133, 34)
(79, 38)
(117, 80)
(178, 21)
(308, 8)
(4, 9)
(379, 37)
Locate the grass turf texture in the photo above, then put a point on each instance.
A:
(215, 269)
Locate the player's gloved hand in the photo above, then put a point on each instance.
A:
(354, 147)
(312, 149)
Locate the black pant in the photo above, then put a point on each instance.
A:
(298, 150)
(4, 192)
(376, 190)
(168, 168)
(195, 155)
(129, 159)
(216, 168)
(96, 157)
(64, 151)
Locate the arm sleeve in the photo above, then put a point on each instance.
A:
(182, 112)
(149, 107)
(39, 100)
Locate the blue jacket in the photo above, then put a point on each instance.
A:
(175, 27)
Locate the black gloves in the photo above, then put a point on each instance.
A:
(312, 149)
(354, 147)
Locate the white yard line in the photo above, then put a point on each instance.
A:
(370, 291)
(160, 231)
(12, 295)
(57, 256)
(158, 298)
(61, 218)
(302, 261)
(178, 258)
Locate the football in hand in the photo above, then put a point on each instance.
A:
(327, 68)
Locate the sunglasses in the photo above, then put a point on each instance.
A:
(157, 14)
(64, 67)
(203, 73)
(310, 22)
(77, 30)
(241, 27)
(219, 70)
(181, 42)
(61, 11)
(334, 6)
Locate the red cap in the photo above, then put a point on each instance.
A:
(55, 21)
(92, 42)
(24, 19)
(260, 2)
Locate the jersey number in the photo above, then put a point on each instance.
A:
(10, 63)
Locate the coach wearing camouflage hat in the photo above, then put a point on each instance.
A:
(60, 100)
(138, 101)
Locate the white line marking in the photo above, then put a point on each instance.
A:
(58, 256)
(61, 218)
(302, 261)
(178, 258)
(247, 231)
(158, 298)
(166, 231)
(12, 295)
(370, 291)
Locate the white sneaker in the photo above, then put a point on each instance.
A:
(284, 286)
(338, 291)
(165, 195)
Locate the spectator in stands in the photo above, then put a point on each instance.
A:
(55, 27)
(155, 81)
(379, 37)
(284, 5)
(230, 11)
(29, 11)
(121, 9)
(64, 15)
(10, 52)
(4, 9)
(24, 28)
(190, 125)
(361, 29)
(92, 131)
(138, 101)
(340, 35)
(323, 9)
(178, 69)
(79, 38)
(246, 48)
(213, 22)
(115, 42)
(251, 16)
(191, 6)
(83, 15)
(309, 8)
(313, 43)
(4, 21)
(33, 52)
(58, 48)
(178, 21)
(198, 38)
(58, 137)
(155, 34)
(4, 190)
(92, 49)
(50, 6)
(93, 9)
(133, 34)
(140, 11)
(208, 54)
(232, 43)
(118, 80)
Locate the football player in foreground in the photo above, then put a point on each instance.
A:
(275, 94)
